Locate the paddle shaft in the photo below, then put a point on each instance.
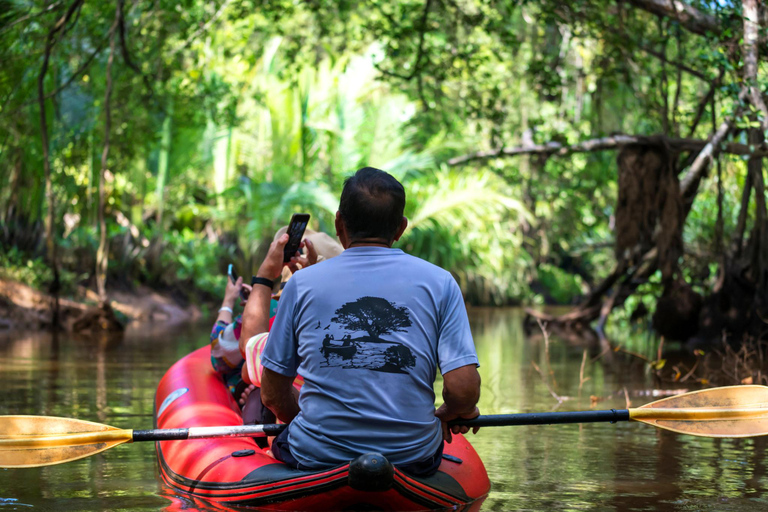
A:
(180, 434)
(496, 420)
(732, 411)
(545, 418)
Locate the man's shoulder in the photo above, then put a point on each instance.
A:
(423, 265)
(318, 270)
(406, 263)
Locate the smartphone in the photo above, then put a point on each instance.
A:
(295, 231)
(233, 276)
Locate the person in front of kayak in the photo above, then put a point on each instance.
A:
(227, 359)
(390, 321)
(225, 354)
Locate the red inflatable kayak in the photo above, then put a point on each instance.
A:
(235, 471)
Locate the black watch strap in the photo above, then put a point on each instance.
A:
(262, 280)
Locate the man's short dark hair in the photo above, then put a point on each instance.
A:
(372, 204)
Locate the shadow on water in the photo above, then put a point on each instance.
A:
(595, 466)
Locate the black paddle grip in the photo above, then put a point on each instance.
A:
(545, 418)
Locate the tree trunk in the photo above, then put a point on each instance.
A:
(719, 223)
(751, 58)
(50, 242)
(162, 164)
(102, 254)
(741, 223)
(13, 185)
(759, 256)
(759, 237)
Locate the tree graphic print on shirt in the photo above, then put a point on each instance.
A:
(375, 317)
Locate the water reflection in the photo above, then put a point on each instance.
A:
(561, 467)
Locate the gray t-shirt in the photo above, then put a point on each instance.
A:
(368, 331)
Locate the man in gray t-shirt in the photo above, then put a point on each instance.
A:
(368, 331)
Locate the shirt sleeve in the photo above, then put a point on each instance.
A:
(253, 350)
(281, 351)
(455, 346)
(217, 358)
(218, 327)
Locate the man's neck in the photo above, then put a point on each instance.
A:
(370, 242)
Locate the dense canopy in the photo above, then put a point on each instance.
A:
(552, 151)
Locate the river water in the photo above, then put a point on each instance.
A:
(599, 466)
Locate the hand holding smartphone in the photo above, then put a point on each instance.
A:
(295, 232)
(233, 276)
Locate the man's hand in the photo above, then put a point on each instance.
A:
(446, 415)
(279, 395)
(461, 391)
(273, 263)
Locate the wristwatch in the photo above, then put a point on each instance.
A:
(262, 280)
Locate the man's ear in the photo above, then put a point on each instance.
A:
(341, 230)
(401, 229)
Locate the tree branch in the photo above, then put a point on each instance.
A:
(420, 50)
(677, 64)
(699, 165)
(123, 46)
(83, 67)
(704, 102)
(30, 16)
(606, 143)
(689, 17)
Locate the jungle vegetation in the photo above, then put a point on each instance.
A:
(602, 153)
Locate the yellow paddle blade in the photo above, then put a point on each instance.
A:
(731, 411)
(30, 441)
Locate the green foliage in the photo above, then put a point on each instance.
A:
(193, 262)
(228, 116)
(34, 272)
(563, 287)
(470, 225)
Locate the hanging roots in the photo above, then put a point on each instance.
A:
(649, 211)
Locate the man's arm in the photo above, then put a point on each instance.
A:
(461, 392)
(277, 393)
(256, 312)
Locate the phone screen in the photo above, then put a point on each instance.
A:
(295, 231)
